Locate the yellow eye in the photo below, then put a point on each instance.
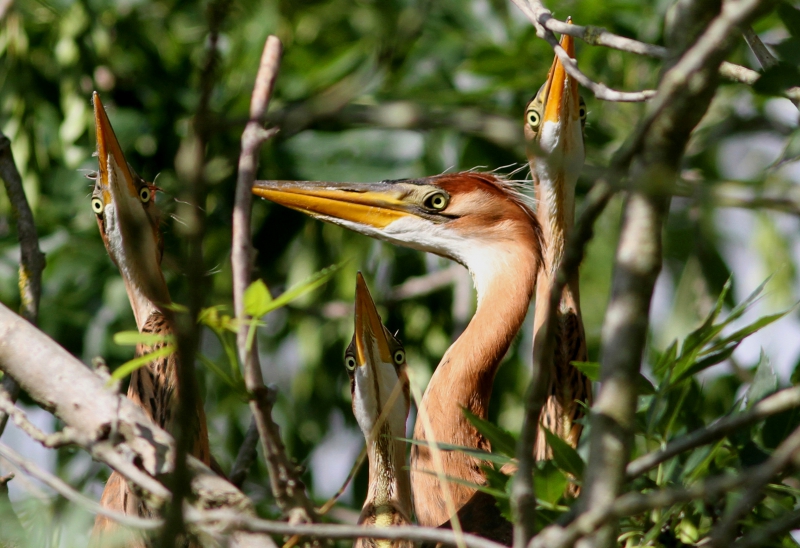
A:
(97, 205)
(145, 194)
(437, 201)
(399, 357)
(534, 119)
(349, 362)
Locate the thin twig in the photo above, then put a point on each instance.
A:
(55, 440)
(779, 402)
(540, 16)
(764, 533)
(785, 455)
(765, 58)
(287, 488)
(69, 493)
(246, 456)
(523, 498)
(32, 260)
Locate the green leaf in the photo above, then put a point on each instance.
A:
(789, 50)
(764, 383)
(310, 284)
(706, 362)
(501, 440)
(549, 483)
(257, 299)
(777, 79)
(132, 338)
(790, 17)
(590, 369)
(130, 366)
(745, 332)
(778, 427)
(494, 458)
(564, 455)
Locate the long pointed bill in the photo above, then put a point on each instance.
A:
(372, 346)
(132, 235)
(113, 166)
(562, 100)
(369, 204)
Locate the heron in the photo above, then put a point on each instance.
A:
(128, 219)
(485, 223)
(554, 123)
(376, 364)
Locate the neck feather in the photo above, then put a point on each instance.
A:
(389, 487)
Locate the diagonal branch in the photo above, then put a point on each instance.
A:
(32, 260)
(287, 488)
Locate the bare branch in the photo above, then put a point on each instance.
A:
(765, 58)
(234, 522)
(287, 488)
(57, 439)
(69, 493)
(761, 535)
(779, 402)
(539, 16)
(246, 456)
(523, 498)
(32, 259)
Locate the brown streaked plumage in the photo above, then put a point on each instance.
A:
(129, 225)
(554, 121)
(482, 222)
(376, 364)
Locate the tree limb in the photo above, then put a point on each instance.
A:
(32, 259)
(287, 488)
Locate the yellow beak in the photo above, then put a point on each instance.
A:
(561, 93)
(108, 150)
(368, 204)
(372, 345)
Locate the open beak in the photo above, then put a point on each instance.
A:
(372, 346)
(561, 93)
(368, 204)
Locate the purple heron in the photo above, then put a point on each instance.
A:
(481, 221)
(554, 121)
(376, 364)
(128, 220)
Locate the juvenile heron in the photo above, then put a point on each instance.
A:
(128, 220)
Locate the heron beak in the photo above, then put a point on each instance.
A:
(114, 170)
(369, 204)
(372, 346)
(562, 100)
(132, 236)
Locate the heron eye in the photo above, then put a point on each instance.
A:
(350, 363)
(437, 201)
(582, 111)
(399, 357)
(145, 194)
(534, 119)
(97, 205)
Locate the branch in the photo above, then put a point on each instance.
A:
(634, 503)
(765, 58)
(32, 260)
(541, 16)
(246, 456)
(231, 522)
(57, 439)
(523, 499)
(110, 427)
(69, 493)
(784, 456)
(779, 402)
(287, 488)
(761, 535)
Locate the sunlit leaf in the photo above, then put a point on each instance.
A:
(130, 366)
(549, 482)
(257, 299)
(564, 455)
(764, 383)
(501, 440)
(471, 451)
(132, 338)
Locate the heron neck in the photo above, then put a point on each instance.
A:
(389, 486)
(556, 212)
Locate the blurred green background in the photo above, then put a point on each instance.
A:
(367, 90)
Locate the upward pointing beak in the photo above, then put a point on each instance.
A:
(372, 346)
(369, 204)
(113, 166)
(562, 100)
